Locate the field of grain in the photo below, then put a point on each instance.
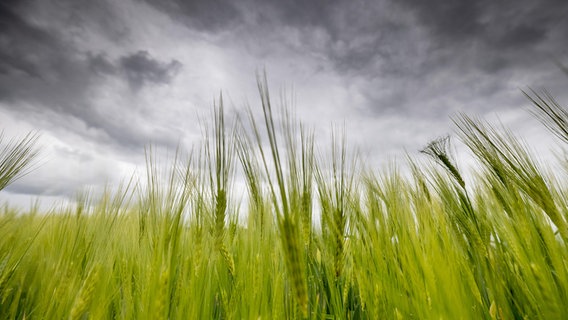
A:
(318, 237)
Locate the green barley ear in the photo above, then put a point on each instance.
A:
(252, 174)
(295, 262)
(307, 169)
(335, 194)
(300, 165)
(160, 307)
(220, 210)
(549, 112)
(85, 296)
(16, 157)
(228, 258)
(220, 166)
(283, 203)
(439, 150)
(507, 159)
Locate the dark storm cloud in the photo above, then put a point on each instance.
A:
(254, 22)
(517, 23)
(21, 43)
(396, 55)
(357, 34)
(100, 64)
(44, 75)
(305, 13)
(475, 53)
(517, 29)
(219, 15)
(211, 15)
(381, 38)
(39, 51)
(455, 19)
(97, 16)
(36, 65)
(425, 57)
(140, 68)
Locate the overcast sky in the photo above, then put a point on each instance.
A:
(100, 80)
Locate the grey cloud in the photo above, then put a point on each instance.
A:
(494, 25)
(44, 75)
(484, 35)
(38, 64)
(97, 15)
(23, 46)
(211, 15)
(522, 35)
(219, 15)
(307, 13)
(66, 189)
(100, 64)
(140, 68)
(41, 51)
(356, 33)
(255, 20)
(455, 19)
(466, 35)
(360, 34)
(401, 53)
(468, 50)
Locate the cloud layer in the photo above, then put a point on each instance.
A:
(103, 79)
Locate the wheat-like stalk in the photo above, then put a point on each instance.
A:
(161, 300)
(295, 264)
(16, 157)
(86, 293)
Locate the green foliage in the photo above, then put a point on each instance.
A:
(16, 156)
(422, 243)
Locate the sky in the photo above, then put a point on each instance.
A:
(101, 80)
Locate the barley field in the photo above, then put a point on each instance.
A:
(318, 235)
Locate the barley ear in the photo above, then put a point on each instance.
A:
(85, 296)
